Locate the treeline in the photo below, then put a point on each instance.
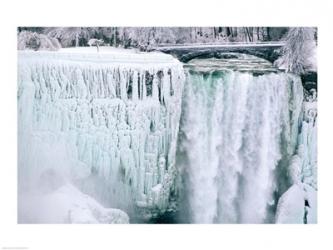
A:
(147, 37)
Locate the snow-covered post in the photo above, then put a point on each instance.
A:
(115, 36)
(76, 39)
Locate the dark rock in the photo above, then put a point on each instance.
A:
(309, 80)
(185, 54)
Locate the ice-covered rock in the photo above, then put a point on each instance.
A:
(308, 140)
(291, 206)
(297, 205)
(108, 118)
(311, 197)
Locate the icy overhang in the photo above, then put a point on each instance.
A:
(127, 57)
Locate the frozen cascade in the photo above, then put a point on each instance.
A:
(239, 130)
(299, 203)
(106, 121)
(308, 140)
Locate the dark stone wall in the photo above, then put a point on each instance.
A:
(309, 80)
(270, 53)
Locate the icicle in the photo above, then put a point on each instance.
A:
(155, 87)
(123, 89)
(135, 94)
(107, 139)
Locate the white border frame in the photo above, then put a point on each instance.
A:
(166, 13)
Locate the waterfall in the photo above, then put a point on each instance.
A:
(238, 132)
(213, 140)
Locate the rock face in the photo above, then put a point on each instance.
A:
(185, 53)
(109, 120)
(309, 80)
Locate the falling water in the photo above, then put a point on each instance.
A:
(238, 129)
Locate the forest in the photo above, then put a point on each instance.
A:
(146, 37)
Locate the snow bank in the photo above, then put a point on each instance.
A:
(297, 205)
(66, 205)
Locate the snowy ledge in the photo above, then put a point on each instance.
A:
(105, 55)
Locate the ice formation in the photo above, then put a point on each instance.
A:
(239, 133)
(299, 203)
(98, 131)
(107, 121)
(308, 140)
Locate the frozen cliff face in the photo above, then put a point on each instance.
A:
(308, 140)
(299, 203)
(107, 121)
(239, 130)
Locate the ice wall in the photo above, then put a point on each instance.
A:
(238, 133)
(308, 140)
(299, 203)
(106, 121)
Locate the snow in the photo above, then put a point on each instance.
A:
(299, 54)
(35, 41)
(110, 55)
(311, 197)
(292, 208)
(107, 121)
(66, 205)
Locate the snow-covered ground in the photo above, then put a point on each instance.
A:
(106, 54)
(297, 205)
(66, 204)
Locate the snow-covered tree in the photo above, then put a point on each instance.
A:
(35, 41)
(299, 52)
(95, 42)
(147, 37)
(69, 36)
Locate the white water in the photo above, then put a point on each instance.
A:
(235, 129)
